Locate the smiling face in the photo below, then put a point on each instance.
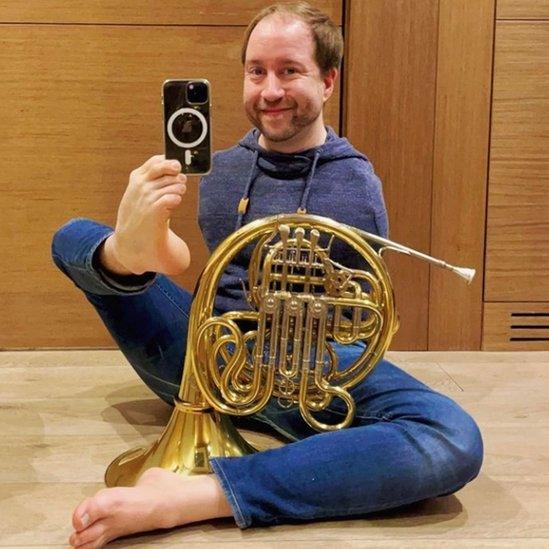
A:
(284, 89)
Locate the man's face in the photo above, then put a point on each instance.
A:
(284, 91)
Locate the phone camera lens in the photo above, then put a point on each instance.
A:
(197, 92)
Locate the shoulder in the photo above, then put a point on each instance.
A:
(360, 166)
(358, 173)
(227, 163)
(354, 195)
(231, 156)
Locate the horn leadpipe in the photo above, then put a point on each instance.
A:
(464, 272)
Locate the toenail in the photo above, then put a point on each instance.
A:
(85, 519)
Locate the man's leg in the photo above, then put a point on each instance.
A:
(147, 315)
(148, 318)
(407, 443)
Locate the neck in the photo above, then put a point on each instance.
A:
(308, 138)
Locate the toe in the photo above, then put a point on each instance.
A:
(94, 536)
(81, 516)
(89, 511)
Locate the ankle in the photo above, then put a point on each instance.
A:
(207, 499)
(108, 258)
(223, 508)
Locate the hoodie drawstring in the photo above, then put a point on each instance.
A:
(243, 204)
(305, 196)
(244, 201)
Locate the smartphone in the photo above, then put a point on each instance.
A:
(187, 126)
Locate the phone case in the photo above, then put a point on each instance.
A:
(187, 124)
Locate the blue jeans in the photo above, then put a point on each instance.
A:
(407, 443)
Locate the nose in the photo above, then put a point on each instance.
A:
(272, 90)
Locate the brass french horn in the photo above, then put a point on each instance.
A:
(301, 303)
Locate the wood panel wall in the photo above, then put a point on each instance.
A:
(146, 12)
(522, 9)
(517, 241)
(417, 100)
(389, 112)
(460, 157)
(80, 104)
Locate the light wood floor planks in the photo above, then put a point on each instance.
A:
(65, 414)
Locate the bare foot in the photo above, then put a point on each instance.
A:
(161, 499)
(142, 240)
(166, 253)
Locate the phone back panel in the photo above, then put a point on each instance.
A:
(187, 125)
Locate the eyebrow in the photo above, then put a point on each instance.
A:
(282, 62)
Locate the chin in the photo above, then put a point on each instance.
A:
(277, 137)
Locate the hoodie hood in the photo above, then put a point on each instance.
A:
(248, 183)
(292, 165)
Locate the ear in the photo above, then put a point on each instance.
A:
(329, 80)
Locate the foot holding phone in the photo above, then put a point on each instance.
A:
(142, 240)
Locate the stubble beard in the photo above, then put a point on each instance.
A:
(295, 125)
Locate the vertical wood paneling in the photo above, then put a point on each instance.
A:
(389, 115)
(460, 170)
(79, 113)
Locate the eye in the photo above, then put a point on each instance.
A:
(255, 71)
(290, 70)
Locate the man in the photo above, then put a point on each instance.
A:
(407, 442)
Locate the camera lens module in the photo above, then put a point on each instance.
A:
(197, 92)
(187, 127)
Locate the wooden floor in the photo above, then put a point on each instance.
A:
(65, 414)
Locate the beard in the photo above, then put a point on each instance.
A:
(283, 130)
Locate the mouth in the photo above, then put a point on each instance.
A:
(274, 112)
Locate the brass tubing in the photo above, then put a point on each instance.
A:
(464, 272)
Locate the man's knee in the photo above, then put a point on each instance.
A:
(465, 448)
(73, 242)
(472, 448)
(61, 243)
(62, 240)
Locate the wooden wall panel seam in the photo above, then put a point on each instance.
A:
(433, 159)
(488, 157)
(345, 23)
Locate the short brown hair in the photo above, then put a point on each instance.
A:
(326, 34)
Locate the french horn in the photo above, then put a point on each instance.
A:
(302, 302)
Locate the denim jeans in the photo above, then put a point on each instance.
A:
(407, 443)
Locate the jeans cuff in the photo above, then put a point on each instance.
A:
(242, 521)
(74, 251)
(123, 283)
(130, 284)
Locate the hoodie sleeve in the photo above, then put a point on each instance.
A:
(380, 210)
(376, 200)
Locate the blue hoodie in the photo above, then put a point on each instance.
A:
(333, 180)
